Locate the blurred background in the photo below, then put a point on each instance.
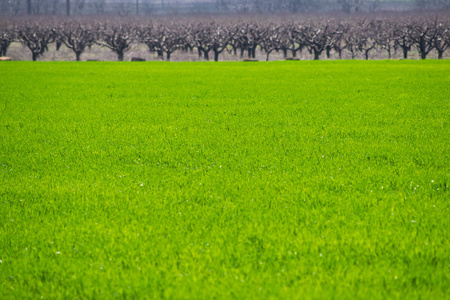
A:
(188, 7)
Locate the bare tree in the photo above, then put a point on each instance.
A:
(77, 37)
(336, 41)
(162, 39)
(168, 40)
(351, 40)
(423, 33)
(220, 39)
(277, 38)
(403, 38)
(442, 40)
(250, 36)
(270, 43)
(281, 39)
(118, 38)
(7, 36)
(147, 35)
(36, 38)
(385, 37)
(202, 40)
(317, 37)
(367, 38)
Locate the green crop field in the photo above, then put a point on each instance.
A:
(288, 180)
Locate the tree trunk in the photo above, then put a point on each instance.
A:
(78, 54)
(120, 55)
(405, 52)
(206, 55)
(168, 55)
(328, 52)
(422, 48)
(440, 53)
(249, 50)
(216, 56)
(294, 53)
(268, 54)
(35, 56)
(4, 49)
(316, 54)
(423, 54)
(284, 52)
(199, 52)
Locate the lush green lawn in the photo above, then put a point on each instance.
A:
(225, 180)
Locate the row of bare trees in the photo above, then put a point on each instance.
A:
(318, 36)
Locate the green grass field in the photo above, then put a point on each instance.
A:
(289, 180)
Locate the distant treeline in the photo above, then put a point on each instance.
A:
(176, 7)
